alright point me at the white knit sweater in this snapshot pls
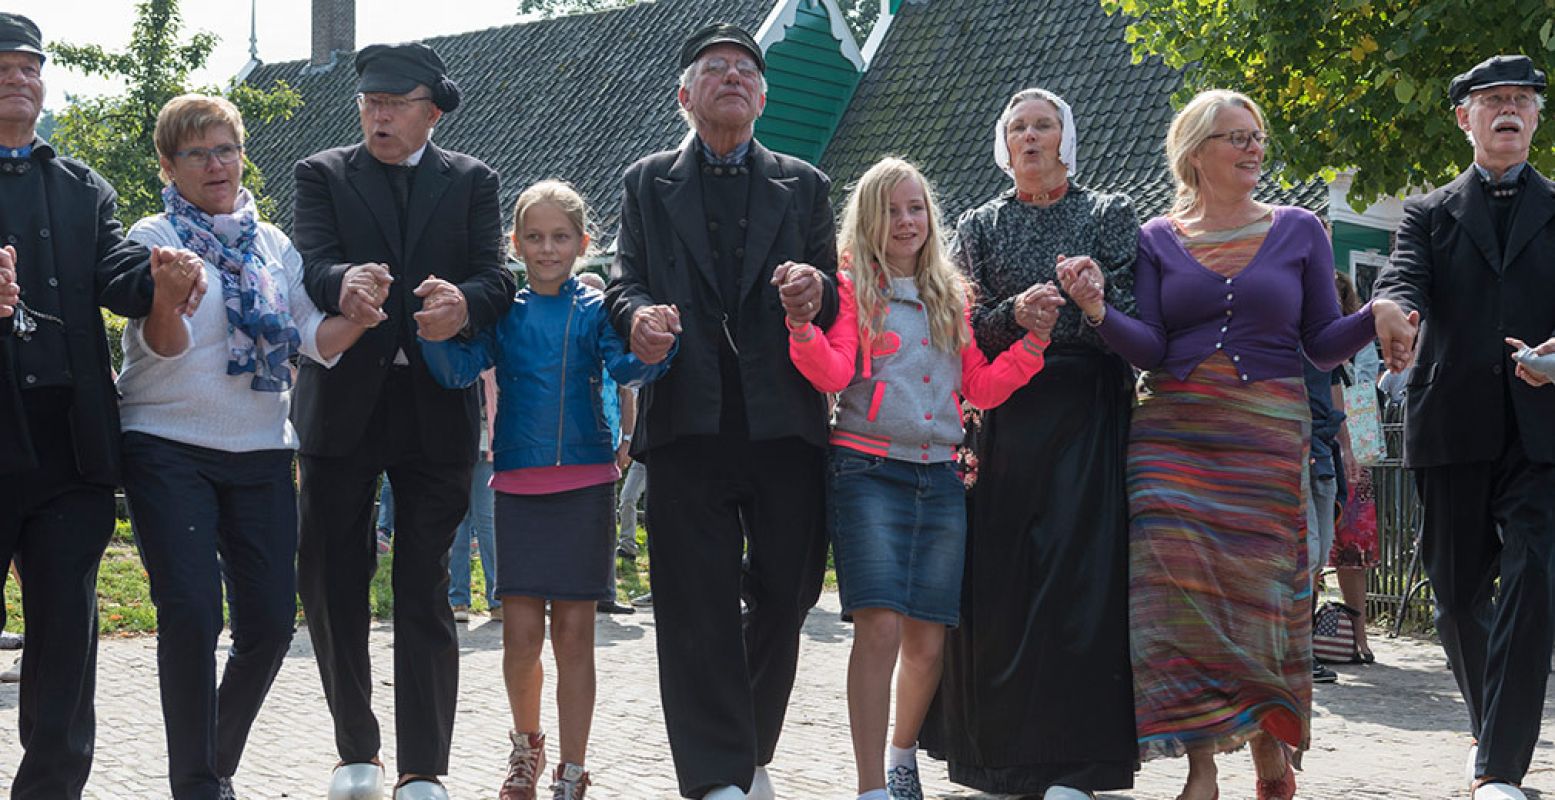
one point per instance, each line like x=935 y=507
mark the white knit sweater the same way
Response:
x=189 y=397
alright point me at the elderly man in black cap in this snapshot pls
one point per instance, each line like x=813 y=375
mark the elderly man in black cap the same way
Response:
x=1474 y=272
x=397 y=233
x=732 y=234
x=64 y=253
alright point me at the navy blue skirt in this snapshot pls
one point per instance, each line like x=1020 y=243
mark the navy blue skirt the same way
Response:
x=556 y=546
x=898 y=533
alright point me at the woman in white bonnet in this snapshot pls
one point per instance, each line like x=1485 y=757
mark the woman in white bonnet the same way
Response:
x=1037 y=696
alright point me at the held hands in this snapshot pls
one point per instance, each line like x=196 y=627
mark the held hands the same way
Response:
x=1396 y=332
x=799 y=287
x=1083 y=281
x=443 y=311
x=178 y=278
x=363 y=292
x=1529 y=376
x=654 y=329
x=10 y=292
x=1036 y=309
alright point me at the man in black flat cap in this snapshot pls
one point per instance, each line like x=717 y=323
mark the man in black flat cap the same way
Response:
x=63 y=254
x=375 y=222
x=1475 y=268
x=733 y=235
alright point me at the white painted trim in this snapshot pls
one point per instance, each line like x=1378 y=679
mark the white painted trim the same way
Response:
x=1385 y=214
x=877 y=33
x=782 y=17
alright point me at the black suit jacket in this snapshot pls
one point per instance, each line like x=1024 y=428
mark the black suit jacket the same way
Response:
x=95 y=265
x=663 y=256
x=345 y=215
x=1472 y=292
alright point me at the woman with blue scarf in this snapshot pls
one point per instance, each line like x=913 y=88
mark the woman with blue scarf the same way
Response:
x=207 y=443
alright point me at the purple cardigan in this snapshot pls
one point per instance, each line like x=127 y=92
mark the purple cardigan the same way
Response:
x=1282 y=303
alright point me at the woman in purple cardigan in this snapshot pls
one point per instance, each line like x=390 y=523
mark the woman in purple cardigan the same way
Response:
x=1231 y=292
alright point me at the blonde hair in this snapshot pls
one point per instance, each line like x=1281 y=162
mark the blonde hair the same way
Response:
x=866 y=227
x=1190 y=129
x=560 y=194
x=189 y=115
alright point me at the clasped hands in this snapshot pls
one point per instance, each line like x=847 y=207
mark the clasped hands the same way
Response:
x=365 y=288
x=177 y=277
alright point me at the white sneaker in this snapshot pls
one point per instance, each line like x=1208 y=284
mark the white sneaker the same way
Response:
x=14 y=673
x=1066 y=793
x=1499 y=791
x=761 y=786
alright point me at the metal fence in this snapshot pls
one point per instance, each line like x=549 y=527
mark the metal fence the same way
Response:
x=1397 y=591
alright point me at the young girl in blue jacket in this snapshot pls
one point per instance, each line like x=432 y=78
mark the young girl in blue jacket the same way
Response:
x=554 y=476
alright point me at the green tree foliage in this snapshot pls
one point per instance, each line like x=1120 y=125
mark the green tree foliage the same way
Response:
x=113 y=134
x=861 y=14
x=1347 y=84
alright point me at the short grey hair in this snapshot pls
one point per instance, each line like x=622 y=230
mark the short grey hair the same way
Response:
x=689 y=74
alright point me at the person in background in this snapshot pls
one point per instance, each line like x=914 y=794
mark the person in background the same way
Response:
x=476 y=529
x=611 y=399
x=1356 y=546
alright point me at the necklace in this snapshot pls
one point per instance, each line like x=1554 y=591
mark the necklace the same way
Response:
x=1046 y=198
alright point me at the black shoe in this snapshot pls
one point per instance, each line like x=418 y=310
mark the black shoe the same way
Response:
x=10 y=641
x=612 y=607
x=643 y=600
x=1322 y=674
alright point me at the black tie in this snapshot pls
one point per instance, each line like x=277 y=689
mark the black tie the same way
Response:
x=399 y=183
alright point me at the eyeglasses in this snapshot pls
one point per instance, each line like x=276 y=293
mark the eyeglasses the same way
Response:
x=200 y=157
x=1241 y=140
x=1522 y=100
x=390 y=103
x=746 y=67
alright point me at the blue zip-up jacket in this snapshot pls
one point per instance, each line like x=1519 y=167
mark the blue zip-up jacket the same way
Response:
x=548 y=351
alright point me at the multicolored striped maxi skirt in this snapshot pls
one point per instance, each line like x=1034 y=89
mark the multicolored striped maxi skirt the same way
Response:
x=1220 y=611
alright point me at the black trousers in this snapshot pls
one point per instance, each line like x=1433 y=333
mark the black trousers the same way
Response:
x=204 y=517
x=336 y=561
x=1484 y=520
x=56 y=528
x=725 y=683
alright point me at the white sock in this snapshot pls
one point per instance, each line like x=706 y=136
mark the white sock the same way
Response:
x=725 y=793
x=901 y=756
x=874 y=794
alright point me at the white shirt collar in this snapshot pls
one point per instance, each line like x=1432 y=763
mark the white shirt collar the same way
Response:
x=415 y=158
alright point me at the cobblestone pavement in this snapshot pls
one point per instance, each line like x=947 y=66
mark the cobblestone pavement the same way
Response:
x=1390 y=730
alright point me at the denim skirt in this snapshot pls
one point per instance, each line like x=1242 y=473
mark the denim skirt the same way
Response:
x=556 y=546
x=898 y=534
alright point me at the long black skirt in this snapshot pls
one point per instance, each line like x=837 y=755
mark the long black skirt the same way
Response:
x=1037 y=688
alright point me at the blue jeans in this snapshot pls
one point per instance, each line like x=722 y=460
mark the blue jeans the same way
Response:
x=479 y=522
x=385 y=505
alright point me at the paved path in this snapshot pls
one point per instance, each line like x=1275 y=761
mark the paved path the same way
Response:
x=1391 y=730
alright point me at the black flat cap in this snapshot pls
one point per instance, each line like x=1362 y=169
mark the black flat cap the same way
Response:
x=1496 y=71
x=18 y=34
x=720 y=33
x=398 y=68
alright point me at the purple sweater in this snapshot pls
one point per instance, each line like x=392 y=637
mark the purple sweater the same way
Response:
x=1281 y=304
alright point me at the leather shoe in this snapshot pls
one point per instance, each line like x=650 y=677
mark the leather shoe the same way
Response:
x=362 y=781
x=420 y=789
x=612 y=607
x=1498 y=791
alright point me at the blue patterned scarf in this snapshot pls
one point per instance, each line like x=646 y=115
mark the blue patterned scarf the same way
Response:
x=260 y=333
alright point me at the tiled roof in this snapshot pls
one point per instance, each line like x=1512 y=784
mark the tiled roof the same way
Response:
x=936 y=86
x=577 y=97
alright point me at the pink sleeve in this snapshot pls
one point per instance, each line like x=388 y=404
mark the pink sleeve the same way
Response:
x=828 y=360
x=986 y=384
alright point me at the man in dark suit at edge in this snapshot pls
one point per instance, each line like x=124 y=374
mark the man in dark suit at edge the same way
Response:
x=1474 y=268
x=399 y=232
x=730 y=234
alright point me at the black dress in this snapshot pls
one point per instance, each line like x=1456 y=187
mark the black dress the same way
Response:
x=1037 y=688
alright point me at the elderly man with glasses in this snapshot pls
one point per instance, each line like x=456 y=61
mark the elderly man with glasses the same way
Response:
x=375 y=222
x=1474 y=273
